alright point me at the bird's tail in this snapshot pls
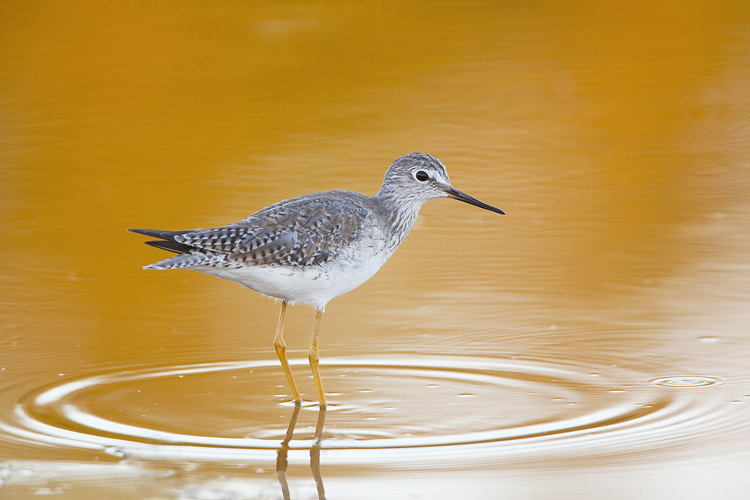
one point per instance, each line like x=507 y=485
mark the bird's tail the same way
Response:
x=188 y=260
x=189 y=256
x=166 y=239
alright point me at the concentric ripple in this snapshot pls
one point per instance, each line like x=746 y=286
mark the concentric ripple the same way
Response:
x=383 y=410
x=686 y=381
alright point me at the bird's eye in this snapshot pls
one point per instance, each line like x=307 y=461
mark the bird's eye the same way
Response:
x=422 y=176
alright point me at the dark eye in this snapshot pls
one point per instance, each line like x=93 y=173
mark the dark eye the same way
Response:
x=422 y=176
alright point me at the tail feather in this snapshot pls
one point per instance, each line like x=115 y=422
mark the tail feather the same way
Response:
x=189 y=256
x=164 y=235
x=187 y=260
x=170 y=246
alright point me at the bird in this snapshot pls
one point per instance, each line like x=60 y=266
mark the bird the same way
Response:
x=313 y=248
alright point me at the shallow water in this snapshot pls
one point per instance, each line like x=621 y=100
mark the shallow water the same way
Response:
x=590 y=343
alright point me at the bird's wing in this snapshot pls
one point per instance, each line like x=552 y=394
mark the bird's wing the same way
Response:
x=303 y=231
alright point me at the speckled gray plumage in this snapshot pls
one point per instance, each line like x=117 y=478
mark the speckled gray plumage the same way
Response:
x=305 y=231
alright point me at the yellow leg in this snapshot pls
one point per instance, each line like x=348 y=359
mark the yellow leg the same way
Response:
x=314 y=358
x=280 y=346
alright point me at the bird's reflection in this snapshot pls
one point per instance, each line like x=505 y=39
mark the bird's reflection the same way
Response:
x=281 y=459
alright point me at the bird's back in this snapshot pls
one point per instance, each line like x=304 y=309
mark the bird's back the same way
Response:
x=306 y=231
x=307 y=249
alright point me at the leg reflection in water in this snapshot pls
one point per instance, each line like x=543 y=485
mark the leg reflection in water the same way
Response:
x=315 y=453
x=281 y=459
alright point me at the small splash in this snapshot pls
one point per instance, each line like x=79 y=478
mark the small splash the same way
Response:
x=709 y=339
x=115 y=451
x=685 y=381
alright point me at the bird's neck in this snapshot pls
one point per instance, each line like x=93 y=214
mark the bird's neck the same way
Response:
x=401 y=212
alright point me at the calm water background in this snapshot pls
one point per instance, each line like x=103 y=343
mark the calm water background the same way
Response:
x=593 y=342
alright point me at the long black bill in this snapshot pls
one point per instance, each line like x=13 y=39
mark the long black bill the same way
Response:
x=461 y=196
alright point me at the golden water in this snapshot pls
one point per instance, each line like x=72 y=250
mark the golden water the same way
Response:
x=591 y=343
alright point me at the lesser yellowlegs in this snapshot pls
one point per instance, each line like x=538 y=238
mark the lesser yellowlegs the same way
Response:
x=310 y=249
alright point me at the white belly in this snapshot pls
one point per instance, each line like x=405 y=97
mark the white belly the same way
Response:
x=314 y=285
